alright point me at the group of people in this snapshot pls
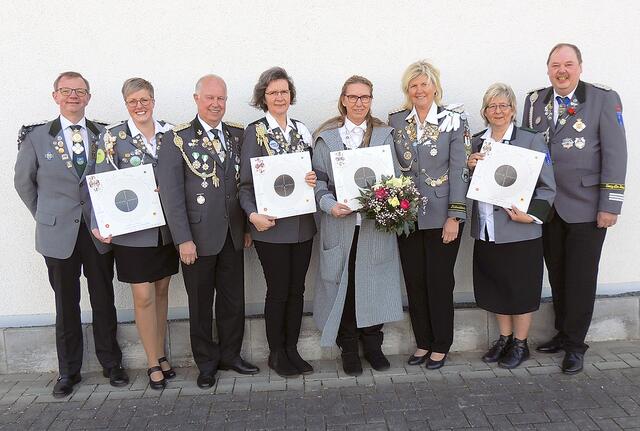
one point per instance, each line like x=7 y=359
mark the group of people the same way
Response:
x=206 y=188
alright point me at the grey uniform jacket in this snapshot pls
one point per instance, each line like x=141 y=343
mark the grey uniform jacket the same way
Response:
x=377 y=268
x=287 y=230
x=589 y=151
x=48 y=184
x=124 y=149
x=195 y=213
x=447 y=199
x=505 y=229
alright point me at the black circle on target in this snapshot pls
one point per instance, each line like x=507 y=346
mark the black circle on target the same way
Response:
x=364 y=177
x=284 y=185
x=505 y=175
x=126 y=200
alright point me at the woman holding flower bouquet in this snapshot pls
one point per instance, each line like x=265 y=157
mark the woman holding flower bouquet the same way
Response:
x=431 y=143
x=507 y=253
x=284 y=245
x=358 y=284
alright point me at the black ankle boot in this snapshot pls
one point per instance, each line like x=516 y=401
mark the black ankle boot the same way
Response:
x=279 y=363
x=296 y=360
x=516 y=353
x=351 y=363
x=498 y=349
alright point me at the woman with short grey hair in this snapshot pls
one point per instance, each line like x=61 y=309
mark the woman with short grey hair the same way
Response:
x=283 y=245
x=507 y=253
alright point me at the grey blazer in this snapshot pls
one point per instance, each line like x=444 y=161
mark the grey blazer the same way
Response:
x=50 y=187
x=377 y=268
x=287 y=230
x=505 y=229
x=193 y=212
x=448 y=198
x=589 y=151
x=126 y=148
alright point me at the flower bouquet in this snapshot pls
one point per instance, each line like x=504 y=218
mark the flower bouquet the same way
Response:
x=393 y=204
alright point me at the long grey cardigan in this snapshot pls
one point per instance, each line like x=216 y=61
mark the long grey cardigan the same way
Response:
x=377 y=268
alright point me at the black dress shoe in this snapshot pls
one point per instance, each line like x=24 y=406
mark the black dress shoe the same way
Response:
x=516 y=353
x=206 y=380
x=552 y=346
x=117 y=376
x=377 y=360
x=64 y=385
x=296 y=360
x=418 y=360
x=573 y=362
x=351 y=364
x=170 y=373
x=156 y=384
x=434 y=365
x=279 y=362
x=497 y=349
x=239 y=365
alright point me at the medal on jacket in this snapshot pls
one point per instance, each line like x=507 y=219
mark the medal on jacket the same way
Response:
x=579 y=126
x=76 y=137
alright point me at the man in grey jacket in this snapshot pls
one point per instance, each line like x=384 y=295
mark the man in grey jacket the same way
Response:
x=53 y=160
x=585 y=133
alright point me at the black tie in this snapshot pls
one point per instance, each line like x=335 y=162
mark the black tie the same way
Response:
x=79 y=156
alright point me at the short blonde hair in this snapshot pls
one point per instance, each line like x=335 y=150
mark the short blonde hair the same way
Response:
x=421 y=67
x=499 y=90
x=132 y=85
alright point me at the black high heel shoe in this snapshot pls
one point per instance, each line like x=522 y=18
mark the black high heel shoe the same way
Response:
x=156 y=384
x=170 y=373
x=434 y=365
x=418 y=360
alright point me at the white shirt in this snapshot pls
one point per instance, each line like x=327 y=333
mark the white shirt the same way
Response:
x=151 y=145
x=301 y=128
x=556 y=105
x=210 y=134
x=352 y=136
x=432 y=117
x=66 y=130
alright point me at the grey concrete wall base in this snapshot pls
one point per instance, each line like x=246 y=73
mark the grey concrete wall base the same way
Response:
x=33 y=349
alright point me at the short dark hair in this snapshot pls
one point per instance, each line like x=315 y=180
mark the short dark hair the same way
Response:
x=568 y=45
x=266 y=77
x=70 y=74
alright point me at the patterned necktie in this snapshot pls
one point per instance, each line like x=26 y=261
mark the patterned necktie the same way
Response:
x=79 y=156
x=563 y=104
x=222 y=153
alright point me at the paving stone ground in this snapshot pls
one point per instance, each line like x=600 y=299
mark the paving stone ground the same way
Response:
x=465 y=394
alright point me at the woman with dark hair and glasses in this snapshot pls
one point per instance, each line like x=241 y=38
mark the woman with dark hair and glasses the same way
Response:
x=283 y=245
x=358 y=283
x=507 y=253
x=146 y=259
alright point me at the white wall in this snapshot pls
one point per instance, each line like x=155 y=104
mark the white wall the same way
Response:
x=320 y=44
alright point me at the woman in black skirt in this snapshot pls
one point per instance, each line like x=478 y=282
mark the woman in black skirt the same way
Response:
x=147 y=259
x=507 y=255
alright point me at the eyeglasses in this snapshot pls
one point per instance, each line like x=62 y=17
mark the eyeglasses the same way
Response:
x=219 y=99
x=494 y=108
x=132 y=103
x=281 y=93
x=66 y=91
x=353 y=99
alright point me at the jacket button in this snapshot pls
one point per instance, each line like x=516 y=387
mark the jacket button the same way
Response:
x=81 y=202
x=77 y=221
x=154 y=164
x=82 y=183
x=496 y=209
x=227 y=196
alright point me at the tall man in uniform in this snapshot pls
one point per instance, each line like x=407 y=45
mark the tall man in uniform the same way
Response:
x=198 y=167
x=584 y=128
x=54 y=159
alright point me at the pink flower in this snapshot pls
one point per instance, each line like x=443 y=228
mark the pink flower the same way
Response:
x=381 y=193
x=404 y=204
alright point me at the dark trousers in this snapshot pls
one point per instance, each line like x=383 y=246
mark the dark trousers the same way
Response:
x=285 y=268
x=221 y=274
x=64 y=277
x=427 y=264
x=348 y=332
x=572 y=254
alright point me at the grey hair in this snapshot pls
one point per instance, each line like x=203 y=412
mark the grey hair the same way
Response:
x=421 y=67
x=132 y=85
x=266 y=77
x=499 y=90
x=206 y=77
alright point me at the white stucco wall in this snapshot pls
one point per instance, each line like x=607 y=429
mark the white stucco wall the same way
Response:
x=475 y=43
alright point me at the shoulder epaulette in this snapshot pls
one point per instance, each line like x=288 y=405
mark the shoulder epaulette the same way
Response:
x=180 y=127
x=536 y=89
x=102 y=123
x=454 y=107
x=24 y=130
x=601 y=86
x=234 y=124
x=526 y=129
x=479 y=133
x=395 y=111
x=111 y=126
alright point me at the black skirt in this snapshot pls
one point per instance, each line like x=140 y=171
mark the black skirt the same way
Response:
x=145 y=264
x=507 y=278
